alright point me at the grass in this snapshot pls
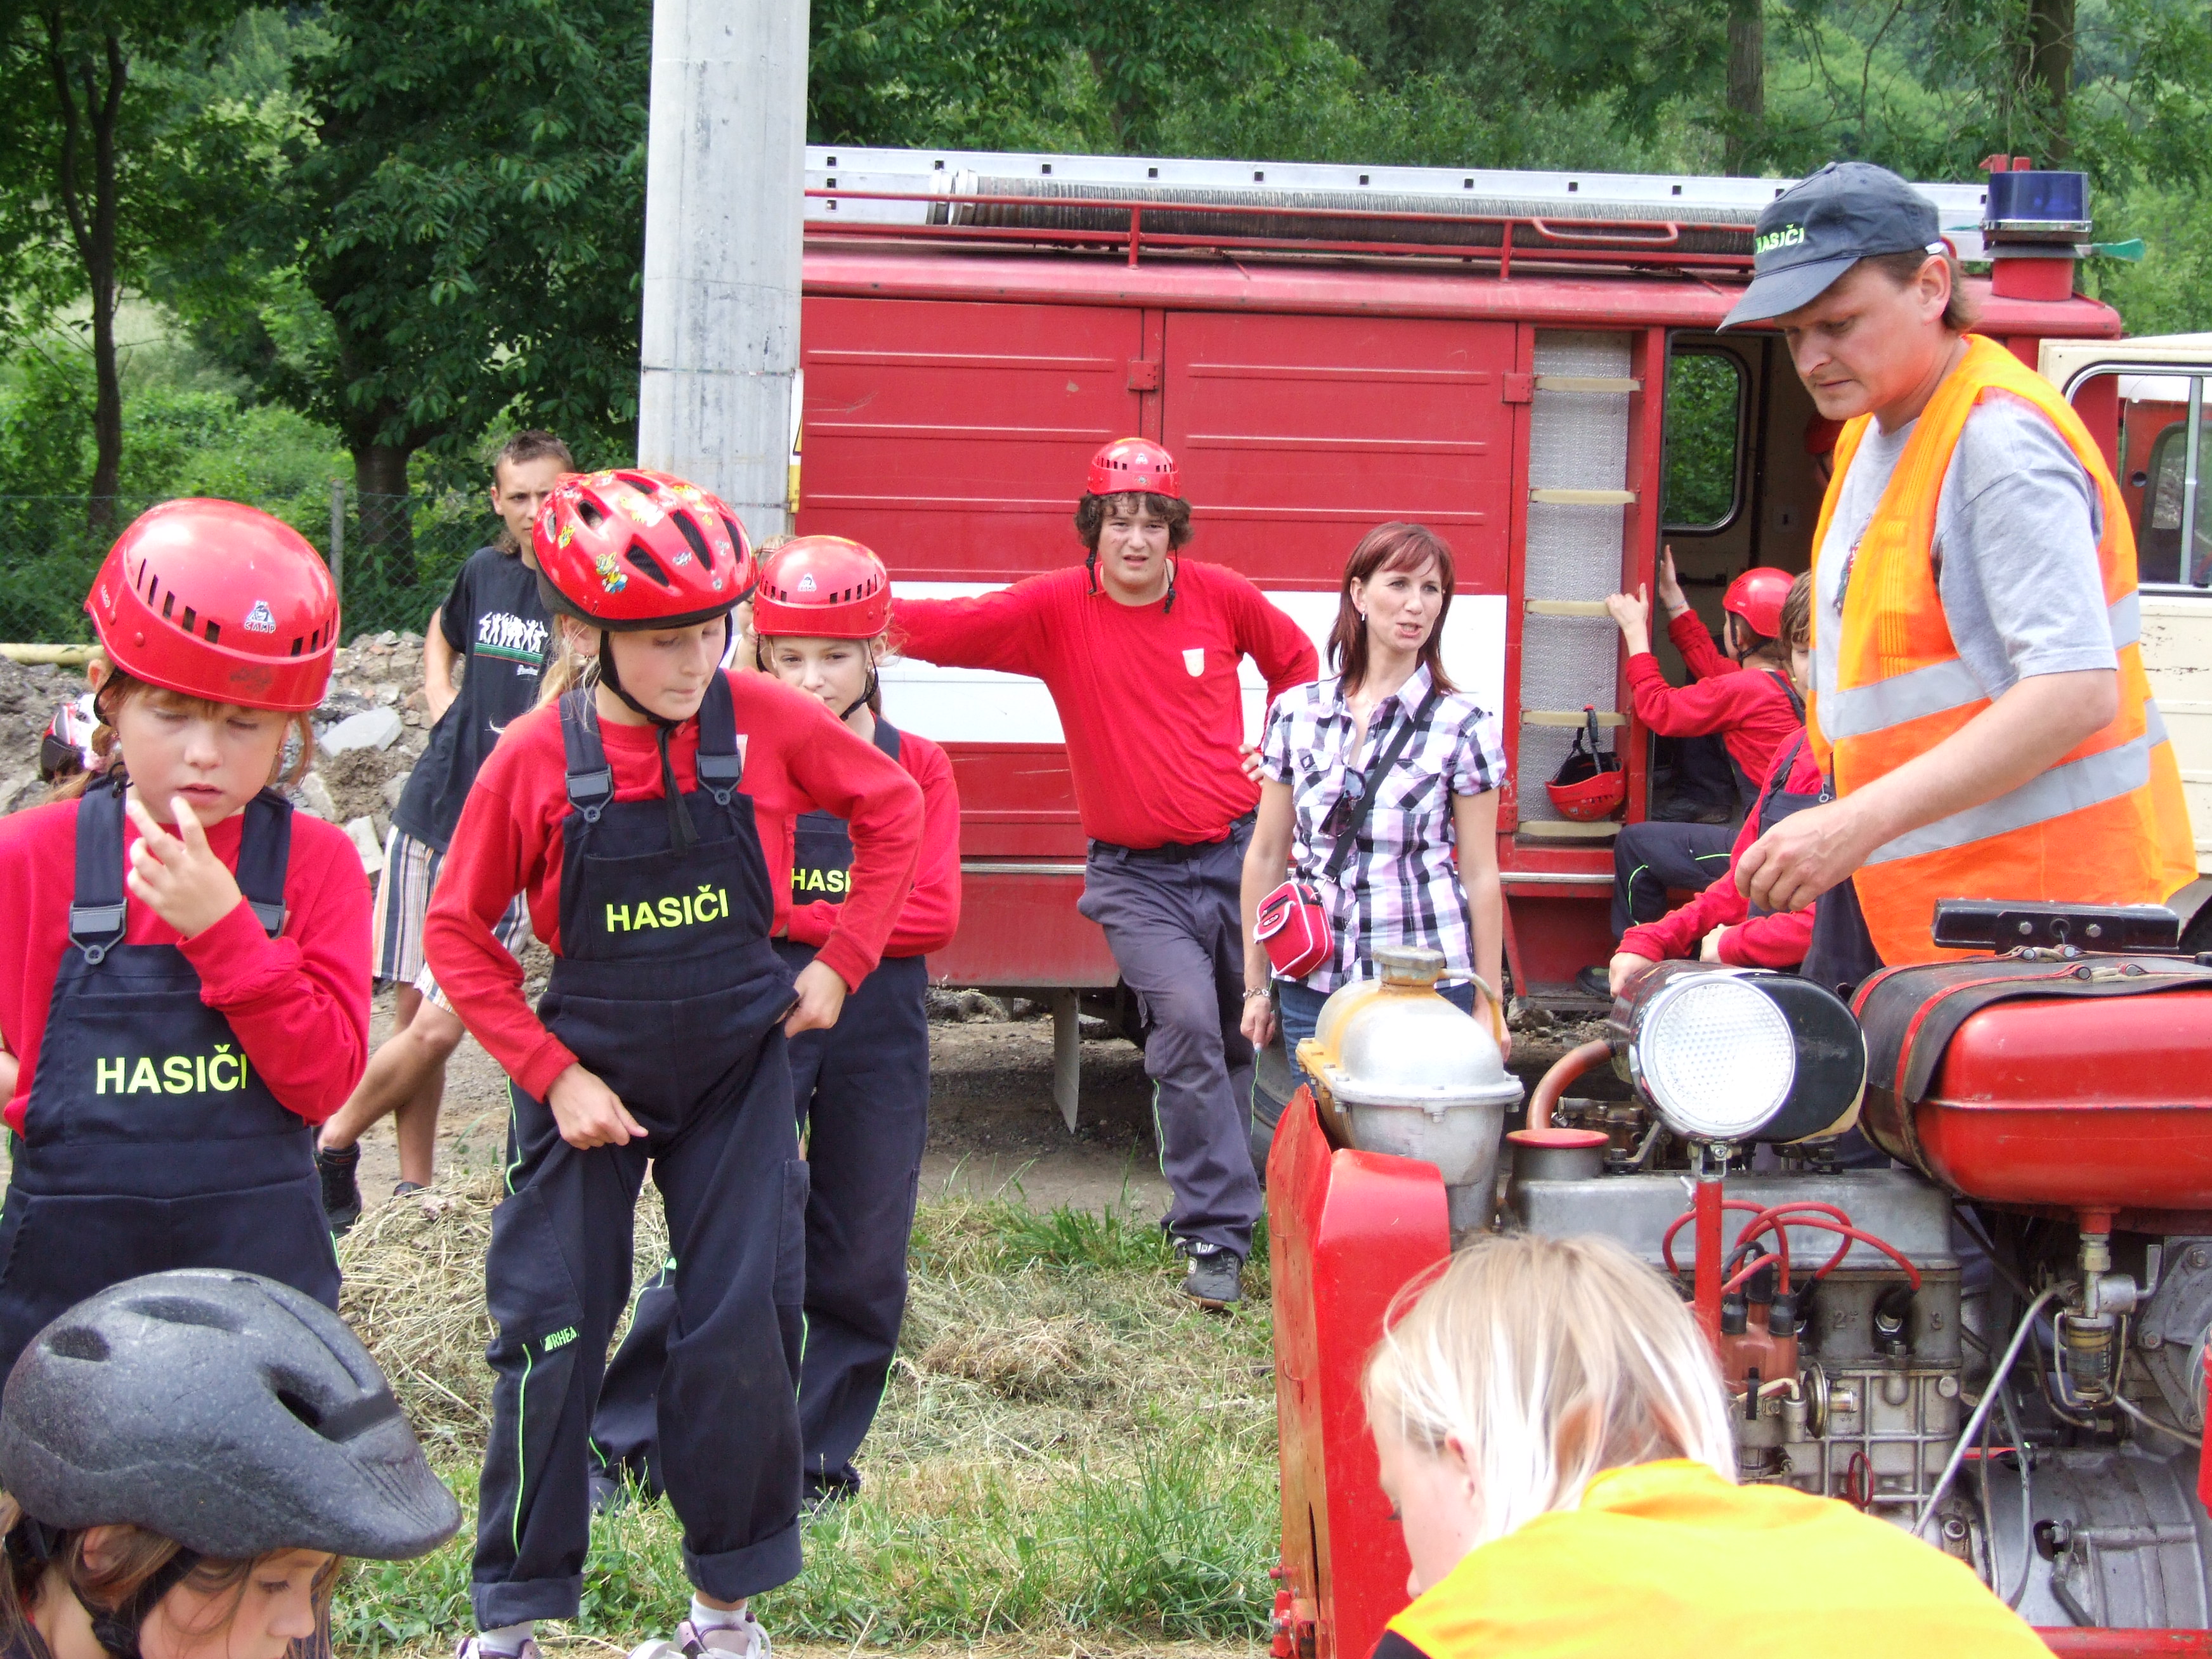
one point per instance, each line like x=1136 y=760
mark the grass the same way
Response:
x=1068 y=1454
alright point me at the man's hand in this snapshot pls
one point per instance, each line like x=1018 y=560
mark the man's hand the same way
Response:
x=589 y=1112
x=1805 y=855
x=821 y=999
x=1709 y=948
x=1633 y=611
x=176 y=876
x=1670 y=589
x=1625 y=966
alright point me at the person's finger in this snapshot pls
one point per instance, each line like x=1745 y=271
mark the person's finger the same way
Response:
x=1642 y=593
x=635 y=1128
x=139 y=888
x=189 y=831
x=151 y=835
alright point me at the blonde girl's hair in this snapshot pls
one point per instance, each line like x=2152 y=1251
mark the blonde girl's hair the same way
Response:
x=1548 y=1361
x=117 y=687
x=1797 y=612
x=565 y=666
x=133 y=1559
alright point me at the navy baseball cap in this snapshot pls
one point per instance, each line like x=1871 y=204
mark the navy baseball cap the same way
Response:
x=1820 y=227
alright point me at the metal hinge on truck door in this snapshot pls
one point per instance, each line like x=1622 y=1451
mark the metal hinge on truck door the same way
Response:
x=1144 y=375
x=1518 y=389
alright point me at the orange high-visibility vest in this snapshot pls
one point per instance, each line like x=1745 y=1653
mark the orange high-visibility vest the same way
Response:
x=2105 y=825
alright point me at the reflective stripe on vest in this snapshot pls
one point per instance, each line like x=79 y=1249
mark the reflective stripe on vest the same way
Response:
x=2106 y=824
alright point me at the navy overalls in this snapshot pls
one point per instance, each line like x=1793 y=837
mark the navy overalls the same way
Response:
x=665 y=988
x=862 y=1090
x=149 y=1141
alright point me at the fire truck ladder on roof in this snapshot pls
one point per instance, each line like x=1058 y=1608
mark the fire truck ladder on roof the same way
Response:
x=1139 y=204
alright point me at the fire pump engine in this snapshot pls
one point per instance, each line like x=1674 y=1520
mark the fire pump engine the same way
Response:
x=1506 y=357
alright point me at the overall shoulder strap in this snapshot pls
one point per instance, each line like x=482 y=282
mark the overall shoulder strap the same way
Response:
x=97 y=913
x=887 y=737
x=265 y=855
x=1789 y=690
x=718 y=764
x=591 y=780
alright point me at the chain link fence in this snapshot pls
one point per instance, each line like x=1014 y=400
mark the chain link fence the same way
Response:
x=393 y=557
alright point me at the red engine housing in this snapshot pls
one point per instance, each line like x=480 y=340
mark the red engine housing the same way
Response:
x=2079 y=1087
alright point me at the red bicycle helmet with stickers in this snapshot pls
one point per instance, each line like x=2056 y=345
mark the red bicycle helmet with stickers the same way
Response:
x=1136 y=465
x=629 y=549
x=822 y=588
x=1757 y=596
x=218 y=601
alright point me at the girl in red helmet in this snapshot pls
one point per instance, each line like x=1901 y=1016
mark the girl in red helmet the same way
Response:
x=822 y=613
x=1743 y=697
x=634 y=814
x=184 y=961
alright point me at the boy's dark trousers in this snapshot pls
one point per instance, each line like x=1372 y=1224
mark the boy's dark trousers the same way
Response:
x=1650 y=857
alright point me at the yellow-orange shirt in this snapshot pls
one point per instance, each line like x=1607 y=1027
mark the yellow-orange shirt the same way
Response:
x=1667 y=1559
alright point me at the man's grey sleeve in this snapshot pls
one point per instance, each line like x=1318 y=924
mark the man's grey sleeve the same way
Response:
x=2016 y=529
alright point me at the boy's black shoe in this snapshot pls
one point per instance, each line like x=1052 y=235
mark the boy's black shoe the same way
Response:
x=341 y=1190
x=1596 y=981
x=1213 y=1278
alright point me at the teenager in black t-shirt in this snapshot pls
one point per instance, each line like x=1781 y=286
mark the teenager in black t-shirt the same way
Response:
x=493 y=623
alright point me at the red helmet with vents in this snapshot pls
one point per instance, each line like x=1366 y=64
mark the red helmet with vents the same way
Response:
x=1135 y=464
x=1758 y=596
x=628 y=549
x=822 y=587
x=218 y=601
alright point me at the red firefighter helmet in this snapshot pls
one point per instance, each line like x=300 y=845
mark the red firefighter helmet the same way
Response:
x=822 y=587
x=1757 y=596
x=1589 y=784
x=1134 y=465
x=628 y=549
x=218 y=601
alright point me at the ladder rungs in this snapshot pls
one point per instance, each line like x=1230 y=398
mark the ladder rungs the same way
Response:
x=1568 y=717
x=1583 y=497
x=1587 y=383
x=1578 y=608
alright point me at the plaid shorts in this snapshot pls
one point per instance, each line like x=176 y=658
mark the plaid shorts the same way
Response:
x=402 y=898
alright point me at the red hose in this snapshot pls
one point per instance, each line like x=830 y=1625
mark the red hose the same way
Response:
x=1823 y=1225
x=1565 y=1070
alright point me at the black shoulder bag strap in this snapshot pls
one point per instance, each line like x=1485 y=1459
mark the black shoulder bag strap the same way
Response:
x=1376 y=772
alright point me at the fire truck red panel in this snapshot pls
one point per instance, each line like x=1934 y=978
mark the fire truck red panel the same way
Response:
x=1297 y=434
x=952 y=436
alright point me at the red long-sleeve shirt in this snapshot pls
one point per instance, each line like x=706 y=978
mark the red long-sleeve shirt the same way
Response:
x=1148 y=696
x=1750 y=710
x=298 y=1002
x=797 y=758
x=1775 y=941
x=930 y=915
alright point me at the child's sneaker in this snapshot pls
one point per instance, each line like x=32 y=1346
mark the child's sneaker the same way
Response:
x=472 y=1647
x=744 y=1640
x=341 y=1188
x=1211 y=1280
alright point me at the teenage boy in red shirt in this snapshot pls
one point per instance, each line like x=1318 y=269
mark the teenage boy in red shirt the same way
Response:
x=1139 y=649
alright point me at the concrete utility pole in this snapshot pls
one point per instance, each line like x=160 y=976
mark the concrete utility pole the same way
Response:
x=725 y=177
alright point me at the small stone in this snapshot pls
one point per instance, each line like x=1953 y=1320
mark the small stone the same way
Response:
x=14 y=789
x=373 y=728
x=315 y=798
x=388 y=695
x=387 y=638
x=45 y=671
x=364 y=833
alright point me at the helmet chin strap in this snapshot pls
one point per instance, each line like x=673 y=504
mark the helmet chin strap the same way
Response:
x=683 y=834
x=867 y=691
x=116 y=1629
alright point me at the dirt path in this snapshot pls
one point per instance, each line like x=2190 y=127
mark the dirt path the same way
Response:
x=993 y=1125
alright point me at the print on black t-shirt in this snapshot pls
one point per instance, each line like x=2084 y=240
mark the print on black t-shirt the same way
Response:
x=493 y=620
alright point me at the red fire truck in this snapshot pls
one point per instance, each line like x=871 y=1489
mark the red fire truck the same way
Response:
x=1520 y=361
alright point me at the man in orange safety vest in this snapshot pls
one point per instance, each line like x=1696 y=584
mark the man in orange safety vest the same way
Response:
x=1978 y=700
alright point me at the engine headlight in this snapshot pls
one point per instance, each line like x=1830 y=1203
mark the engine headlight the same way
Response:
x=1731 y=1054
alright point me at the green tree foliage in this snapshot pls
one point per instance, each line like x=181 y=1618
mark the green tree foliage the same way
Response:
x=105 y=169
x=451 y=234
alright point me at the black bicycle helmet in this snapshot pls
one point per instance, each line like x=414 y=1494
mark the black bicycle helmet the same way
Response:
x=224 y=1411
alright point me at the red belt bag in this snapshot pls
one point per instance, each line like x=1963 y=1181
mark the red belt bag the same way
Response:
x=1293 y=924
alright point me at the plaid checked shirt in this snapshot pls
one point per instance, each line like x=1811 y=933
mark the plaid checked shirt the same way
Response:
x=1401 y=884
